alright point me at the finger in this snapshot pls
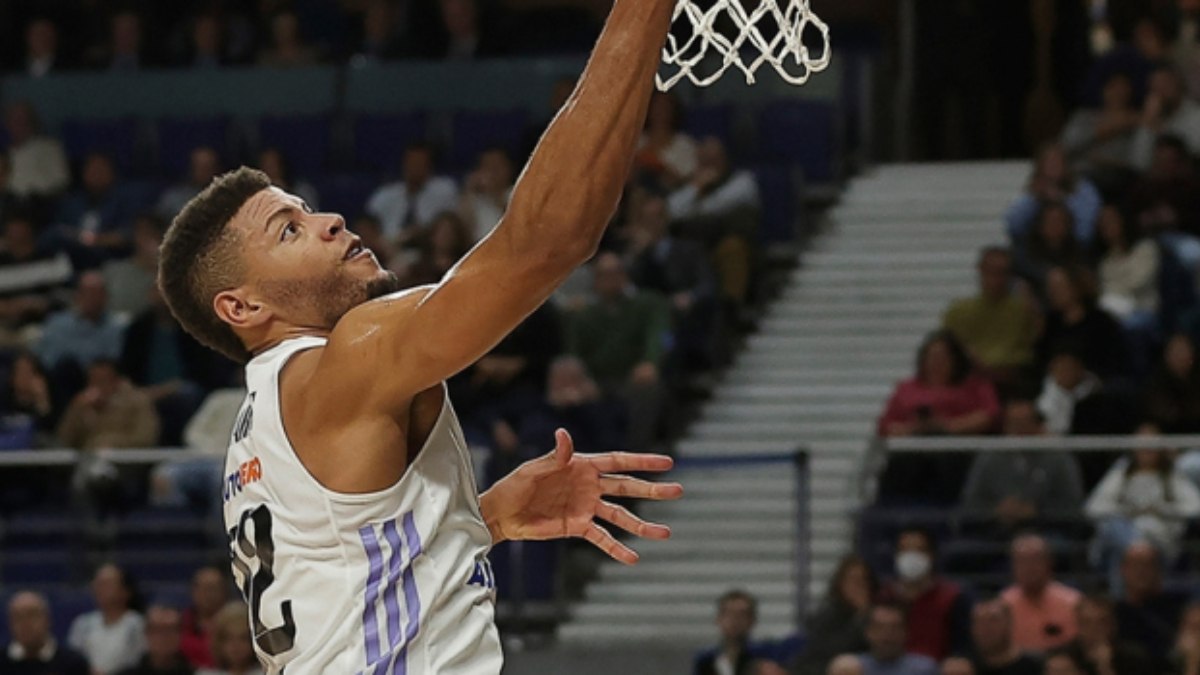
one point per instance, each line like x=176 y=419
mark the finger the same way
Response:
x=636 y=488
x=613 y=462
x=564 y=447
x=603 y=540
x=622 y=518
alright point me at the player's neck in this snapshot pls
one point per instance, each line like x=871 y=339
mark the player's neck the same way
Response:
x=277 y=334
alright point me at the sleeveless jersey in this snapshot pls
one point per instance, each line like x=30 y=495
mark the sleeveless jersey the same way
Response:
x=394 y=581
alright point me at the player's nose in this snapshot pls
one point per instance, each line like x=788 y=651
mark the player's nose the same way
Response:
x=333 y=227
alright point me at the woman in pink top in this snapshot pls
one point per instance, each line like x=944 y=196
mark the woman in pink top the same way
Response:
x=944 y=397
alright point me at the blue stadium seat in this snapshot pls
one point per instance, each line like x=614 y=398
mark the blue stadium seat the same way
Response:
x=345 y=193
x=539 y=565
x=475 y=131
x=777 y=190
x=702 y=121
x=40 y=565
x=159 y=566
x=177 y=137
x=158 y=528
x=379 y=140
x=800 y=133
x=303 y=139
x=34 y=529
x=117 y=138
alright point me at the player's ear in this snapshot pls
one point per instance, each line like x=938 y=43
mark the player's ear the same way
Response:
x=236 y=308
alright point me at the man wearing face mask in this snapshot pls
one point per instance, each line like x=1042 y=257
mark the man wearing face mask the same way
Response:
x=938 y=610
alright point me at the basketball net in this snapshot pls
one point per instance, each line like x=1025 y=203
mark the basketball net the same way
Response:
x=768 y=31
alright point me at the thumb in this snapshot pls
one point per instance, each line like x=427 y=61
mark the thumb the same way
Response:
x=564 y=448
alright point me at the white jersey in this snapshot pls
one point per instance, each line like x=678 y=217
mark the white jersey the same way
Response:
x=394 y=581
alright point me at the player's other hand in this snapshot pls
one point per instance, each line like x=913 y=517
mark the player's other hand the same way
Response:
x=562 y=493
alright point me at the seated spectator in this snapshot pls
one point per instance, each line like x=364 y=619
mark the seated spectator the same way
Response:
x=1166 y=202
x=1146 y=613
x=486 y=192
x=944 y=397
x=957 y=665
x=209 y=592
x=196 y=482
x=124 y=51
x=113 y=636
x=1167 y=111
x=1128 y=271
x=465 y=34
x=838 y=625
x=1099 y=140
x=439 y=247
x=233 y=645
x=1185 y=653
x=131 y=280
x=679 y=270
x=666 y=153
x=162 y=645
x=10 y=203
x=95 y=222
x=203 y=165
x=1068 y=382
x=272 y=162
x=1144 y=497
x=1172 y=397
x=288 y=48
x=998 y=327
x=1020 y=489
x=29 y=405
x=1076 y=319
x=33 y=650
x=886 y=638
x=33 y=280
x=1049 y=244
x=766 y=667
x=1099 y=647
x=1043 y=609
x=206 y=43
x=381 y=34
x=74 y=337
x=41 y=48
x=846 y=664
x=622 y=338
x=405 y=206
x=993 y=650
x=1064 y=662
x=736 y=615
x=39 y=164
x=937 y=611
x=1054 y=182
x=109 y=413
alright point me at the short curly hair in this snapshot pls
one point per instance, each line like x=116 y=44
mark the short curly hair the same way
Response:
x=199 y=258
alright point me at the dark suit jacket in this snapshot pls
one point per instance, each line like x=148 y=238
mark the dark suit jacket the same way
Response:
x=674 y=266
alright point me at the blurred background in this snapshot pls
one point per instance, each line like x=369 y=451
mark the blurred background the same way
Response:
x=919 y=334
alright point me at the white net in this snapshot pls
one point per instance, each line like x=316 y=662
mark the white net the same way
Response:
x=745 y=34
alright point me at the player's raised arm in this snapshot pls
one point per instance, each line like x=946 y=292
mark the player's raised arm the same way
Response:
x=558 y=211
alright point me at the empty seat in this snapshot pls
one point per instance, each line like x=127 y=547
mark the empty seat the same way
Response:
x=800 y=133
x=538 y=562
x=777 y=193
x=36 y=565
x=345 y=193
x=709 y=120
x=303 y=139
x=476 y=131
x=117 y=138
x=379 y=140
x=177 y=137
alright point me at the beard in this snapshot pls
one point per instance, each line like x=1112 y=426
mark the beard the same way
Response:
x=323 y=301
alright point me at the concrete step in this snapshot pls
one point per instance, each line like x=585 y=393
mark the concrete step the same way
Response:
x=660 y=592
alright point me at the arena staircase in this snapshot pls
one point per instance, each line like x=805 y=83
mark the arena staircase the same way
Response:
x=900 y=244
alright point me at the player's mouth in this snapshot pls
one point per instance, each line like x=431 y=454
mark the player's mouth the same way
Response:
x=355 y=251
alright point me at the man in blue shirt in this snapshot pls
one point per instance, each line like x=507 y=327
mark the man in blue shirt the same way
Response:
x=886 y=633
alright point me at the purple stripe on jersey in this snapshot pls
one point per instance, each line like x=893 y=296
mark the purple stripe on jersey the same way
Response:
x=370 y=621
x=391 y=598
x=412 y=601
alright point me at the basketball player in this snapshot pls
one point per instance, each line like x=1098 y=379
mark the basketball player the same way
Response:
x=355 y=530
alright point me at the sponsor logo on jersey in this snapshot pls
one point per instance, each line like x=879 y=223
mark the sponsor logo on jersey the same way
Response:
x=482 y=576
x=249 y=472
x=245 y=420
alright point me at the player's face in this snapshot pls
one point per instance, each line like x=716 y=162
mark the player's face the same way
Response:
x=307 y=267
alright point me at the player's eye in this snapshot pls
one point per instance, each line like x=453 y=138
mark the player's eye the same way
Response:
x=289 y=230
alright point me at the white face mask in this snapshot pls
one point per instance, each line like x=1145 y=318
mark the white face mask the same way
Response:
x=912 y=565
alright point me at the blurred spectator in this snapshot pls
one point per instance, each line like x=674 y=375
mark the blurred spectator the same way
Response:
x=466 y=35
x=1067 y=383
x=1016 y=489
x=1050 y=244
x=41 y=48
x=680 y=271
x=838 y=625
x=32 y=280
x=1099 y=140
x=272 y=162
x=109 y=413
x=33 y=649
x=1167 y=111
x=203 y=165
x=1043 y=609
x=1075 y=318
x=666 y=152
x=486 y=191
x=938 y=612
x=125 y=49
x=993 y=650
x=886 y=639
x=162 y=645
x=1064 y=662
x=207 y=42
x=943 y=397
x=407 y=205
x=84 y=332
x=622 y=338
x=10 y=204
x=1129 y=271
x=196 y=482
x=1054 y=182
x=1146 y=613
x=1166 y=203
x=209 y=594
x=766 y=667
x=846 y=664
x=113 y=636
x=1144 y=497
x=999 y=326
x=131 y=280
x=957 y=665
x=368 y=228
x=1172 y=397
x=381 y=34
x=95 y=221
x=1185 y=653
x=39 y=165
x=737 y=612
x=232 y=643
x=29 y=404
x=439 y=247
x=288 y=48
x=1098 y=646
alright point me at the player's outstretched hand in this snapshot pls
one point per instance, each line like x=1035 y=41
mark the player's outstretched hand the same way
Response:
x=561 y=493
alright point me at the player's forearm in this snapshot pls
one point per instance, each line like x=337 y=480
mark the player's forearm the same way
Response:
x=573 y=182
